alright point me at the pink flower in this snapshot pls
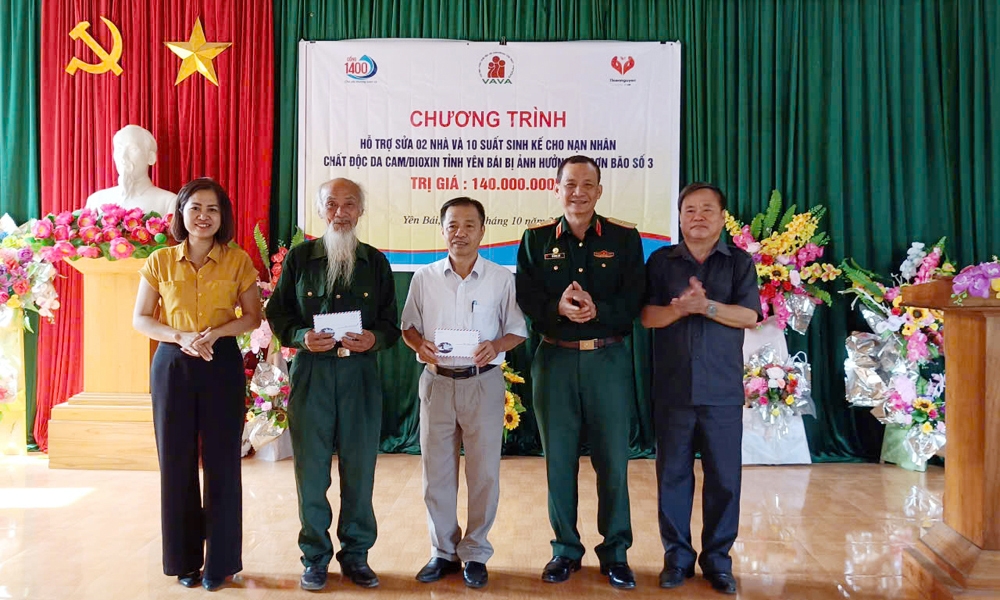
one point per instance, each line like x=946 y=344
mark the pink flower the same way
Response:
x=87 y=218
x=109 y=234
x=762 y=400
x=916 y=348
x=62 y=232
x=744 y=239
x=132 y=223
x=64 y=249
x=111 y=220
x=121 y=248
x=135 y=213
x=142 y=235
x=64 y=218
x=42 y=229
x=757 y=385
x=25 y=254
x=90 y=235
x=928 y=266
x=4 y=296
x=156 y=225
x=932 y=413
x=88 y=252
x=891 y=293
x=113 y=210
x=47 y=253
x=21 y=287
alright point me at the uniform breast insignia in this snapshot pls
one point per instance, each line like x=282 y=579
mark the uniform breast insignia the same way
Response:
x=543 y=224
x=621 y=223
x=555 y=255
x=604 y=254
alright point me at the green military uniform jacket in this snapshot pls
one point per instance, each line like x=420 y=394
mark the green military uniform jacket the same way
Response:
x=302 y=292
x=607 y=263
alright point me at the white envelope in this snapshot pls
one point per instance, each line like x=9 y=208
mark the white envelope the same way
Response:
x=339 y=323
x=459 y=343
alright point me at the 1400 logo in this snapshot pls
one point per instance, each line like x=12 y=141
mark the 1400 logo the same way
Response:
x=360 y=68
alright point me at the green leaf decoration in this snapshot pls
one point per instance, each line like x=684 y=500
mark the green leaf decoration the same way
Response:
x=771 y=215
x=818 y=212
x=819 y=293
x=786 y=218
x=258 y=237
x=756 y=225
x=297 y=238
x=859 y=276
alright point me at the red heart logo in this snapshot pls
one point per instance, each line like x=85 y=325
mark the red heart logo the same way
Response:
x=622 y=64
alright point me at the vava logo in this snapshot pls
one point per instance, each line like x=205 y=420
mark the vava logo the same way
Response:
x=496 y=68
x=360 y=68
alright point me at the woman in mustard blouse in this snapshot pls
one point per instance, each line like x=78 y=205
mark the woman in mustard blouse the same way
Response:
x=197 y=382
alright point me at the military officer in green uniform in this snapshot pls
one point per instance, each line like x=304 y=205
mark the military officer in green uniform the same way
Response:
x=580 y=279
x=335 y=386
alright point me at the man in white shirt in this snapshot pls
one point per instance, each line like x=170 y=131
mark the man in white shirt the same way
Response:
x=461 y=399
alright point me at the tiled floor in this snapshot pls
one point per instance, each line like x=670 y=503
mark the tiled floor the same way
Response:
x=823 y=531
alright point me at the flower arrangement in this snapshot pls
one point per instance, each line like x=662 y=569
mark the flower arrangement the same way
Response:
x=786 y=253
x=920 y=330
x=273 y=262
x=112 y=232
x=918 y=407
x=269 y=390
x=25 y=278
x=979 y=280
x=777 y=391
x=512 y=401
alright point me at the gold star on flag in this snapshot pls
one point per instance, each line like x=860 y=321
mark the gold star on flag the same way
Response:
x=197 y=54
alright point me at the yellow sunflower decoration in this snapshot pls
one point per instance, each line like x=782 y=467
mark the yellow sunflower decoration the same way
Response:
x=512 y=401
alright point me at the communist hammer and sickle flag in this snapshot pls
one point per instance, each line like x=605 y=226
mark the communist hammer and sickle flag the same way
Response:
x=109 y=61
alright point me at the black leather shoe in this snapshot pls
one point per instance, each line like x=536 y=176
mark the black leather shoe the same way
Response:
x=722 y=582
x=189 y=580
x=559 y=569
x=671 y=577
x=475 y=574
x=313 y=578
x=360 y=574
x=212 y=584
x=619 y=575
x=436 y=568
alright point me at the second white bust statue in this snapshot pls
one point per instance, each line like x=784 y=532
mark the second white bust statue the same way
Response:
x=134 y=153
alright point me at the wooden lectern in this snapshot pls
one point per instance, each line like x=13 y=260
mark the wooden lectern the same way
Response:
x=960 y=558
x=109 y=425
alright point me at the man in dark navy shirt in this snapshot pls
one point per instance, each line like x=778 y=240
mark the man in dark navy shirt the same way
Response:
x=702 y=294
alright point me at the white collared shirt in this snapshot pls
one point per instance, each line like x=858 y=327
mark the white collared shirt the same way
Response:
x=485 y=301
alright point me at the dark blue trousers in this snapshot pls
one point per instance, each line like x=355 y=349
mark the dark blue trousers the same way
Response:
x=716 y=432
x=199 y=403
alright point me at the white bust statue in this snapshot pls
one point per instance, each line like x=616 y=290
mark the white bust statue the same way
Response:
x=134 y=153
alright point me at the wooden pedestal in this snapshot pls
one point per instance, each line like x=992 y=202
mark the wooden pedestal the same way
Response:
x=109 y=425
x=960 y=558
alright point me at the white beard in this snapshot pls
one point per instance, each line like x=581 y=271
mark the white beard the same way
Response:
x=340 y=247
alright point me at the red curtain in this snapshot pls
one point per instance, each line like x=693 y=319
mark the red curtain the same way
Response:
x=224 y=132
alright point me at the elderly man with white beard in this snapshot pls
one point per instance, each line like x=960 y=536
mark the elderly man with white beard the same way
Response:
x=336 y=393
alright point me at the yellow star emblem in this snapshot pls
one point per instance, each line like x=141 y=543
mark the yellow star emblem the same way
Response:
x=197 y=54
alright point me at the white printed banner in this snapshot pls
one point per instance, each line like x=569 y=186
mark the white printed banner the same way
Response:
x=417 y=122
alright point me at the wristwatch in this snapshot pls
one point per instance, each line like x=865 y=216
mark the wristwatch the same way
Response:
x=712 y=310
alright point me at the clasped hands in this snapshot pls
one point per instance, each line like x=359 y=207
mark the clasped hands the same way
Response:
x=197 y=344
x=692 y=300
x=577 y=305
x=355 y=342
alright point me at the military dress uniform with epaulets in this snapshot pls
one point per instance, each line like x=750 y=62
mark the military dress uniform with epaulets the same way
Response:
x=582 y=373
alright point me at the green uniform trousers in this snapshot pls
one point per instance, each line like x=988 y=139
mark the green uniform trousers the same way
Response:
x=589 y=391
x=335 y=400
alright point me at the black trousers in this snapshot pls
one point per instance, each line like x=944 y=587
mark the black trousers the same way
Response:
x=200 y=403
x=716 y=432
